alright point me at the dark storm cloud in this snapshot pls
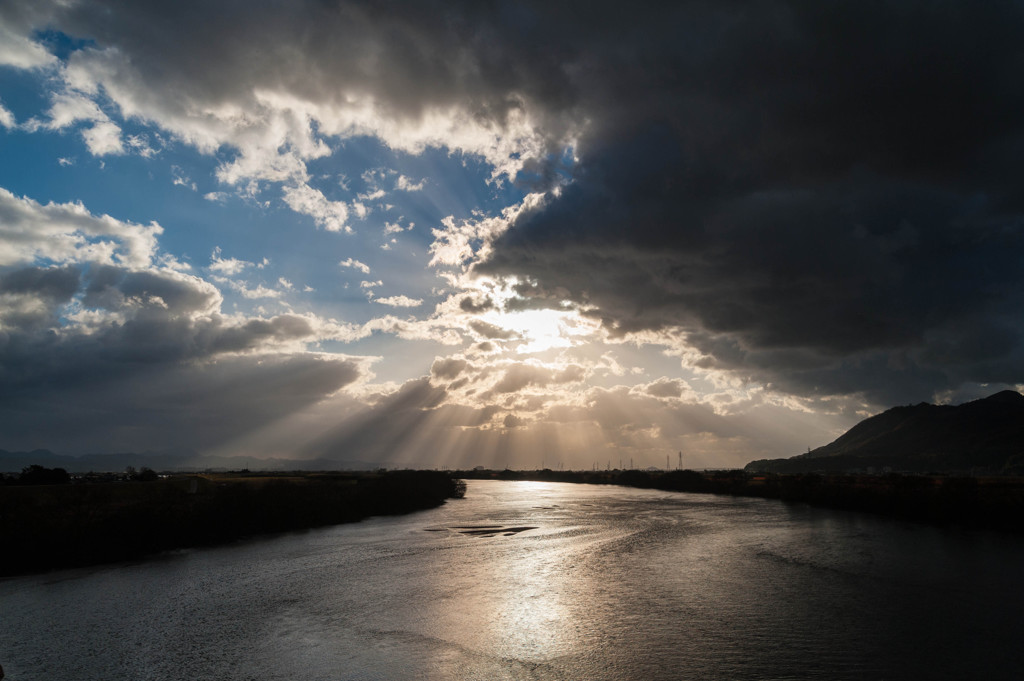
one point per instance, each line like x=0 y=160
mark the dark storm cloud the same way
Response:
x=158 y=369
x=115 y=288
x=255 y=332
x=467 y=304
x=52 y=284
x=170 y=406
x=407 y=57
x=512 y=421
x=29 y=296
x=491 y=331
x=34 y=359
x=448 y=368
x=666 y=387
x=823 y=196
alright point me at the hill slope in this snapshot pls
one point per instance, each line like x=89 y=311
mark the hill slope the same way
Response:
x=984 y=436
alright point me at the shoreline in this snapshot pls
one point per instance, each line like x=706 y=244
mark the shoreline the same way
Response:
x=50 y=527
x=991 y=503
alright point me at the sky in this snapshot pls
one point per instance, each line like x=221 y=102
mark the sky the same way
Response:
x=512 y=234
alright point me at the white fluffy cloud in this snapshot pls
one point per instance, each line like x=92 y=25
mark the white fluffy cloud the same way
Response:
x=331 y=215
x=68 y=232
x=227 y=266
x=356 y=265
x=103 y=138
x=17 y=49
x=407 y=185
x=399 y=301
x=6 y=117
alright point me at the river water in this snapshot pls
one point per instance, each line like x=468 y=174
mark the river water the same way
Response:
x=525 y=580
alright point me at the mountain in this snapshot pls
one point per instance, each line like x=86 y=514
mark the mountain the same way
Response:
x=984 y=436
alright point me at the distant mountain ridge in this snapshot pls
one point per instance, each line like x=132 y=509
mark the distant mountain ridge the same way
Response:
x=984 y=436
x=13 y=462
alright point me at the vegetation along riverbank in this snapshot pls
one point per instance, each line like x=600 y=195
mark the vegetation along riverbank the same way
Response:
x=48 y=522
x=52 y=525
x=983 y=502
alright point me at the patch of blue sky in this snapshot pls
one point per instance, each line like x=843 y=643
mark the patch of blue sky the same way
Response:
x=56 y=166
x=59 y=44
x=458 y=184
x=23 y=92
x=31 y=165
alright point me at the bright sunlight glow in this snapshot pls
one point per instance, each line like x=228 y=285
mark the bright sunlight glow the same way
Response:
x=543 y=329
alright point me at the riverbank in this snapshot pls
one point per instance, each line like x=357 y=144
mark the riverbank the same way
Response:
x=46 y=527
x=991 y=503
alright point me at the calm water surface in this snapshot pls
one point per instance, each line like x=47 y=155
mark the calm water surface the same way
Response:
x=605 y=583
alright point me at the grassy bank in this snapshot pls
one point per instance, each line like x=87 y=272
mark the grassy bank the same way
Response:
x=44 y=527
x=993 y=503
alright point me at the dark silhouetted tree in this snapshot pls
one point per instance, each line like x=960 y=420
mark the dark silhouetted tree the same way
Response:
x=39 y=475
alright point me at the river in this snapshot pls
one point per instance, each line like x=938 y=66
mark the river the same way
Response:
x=525 y=580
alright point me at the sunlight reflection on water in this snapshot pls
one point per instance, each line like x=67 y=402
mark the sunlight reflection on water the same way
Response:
x=542 y=581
